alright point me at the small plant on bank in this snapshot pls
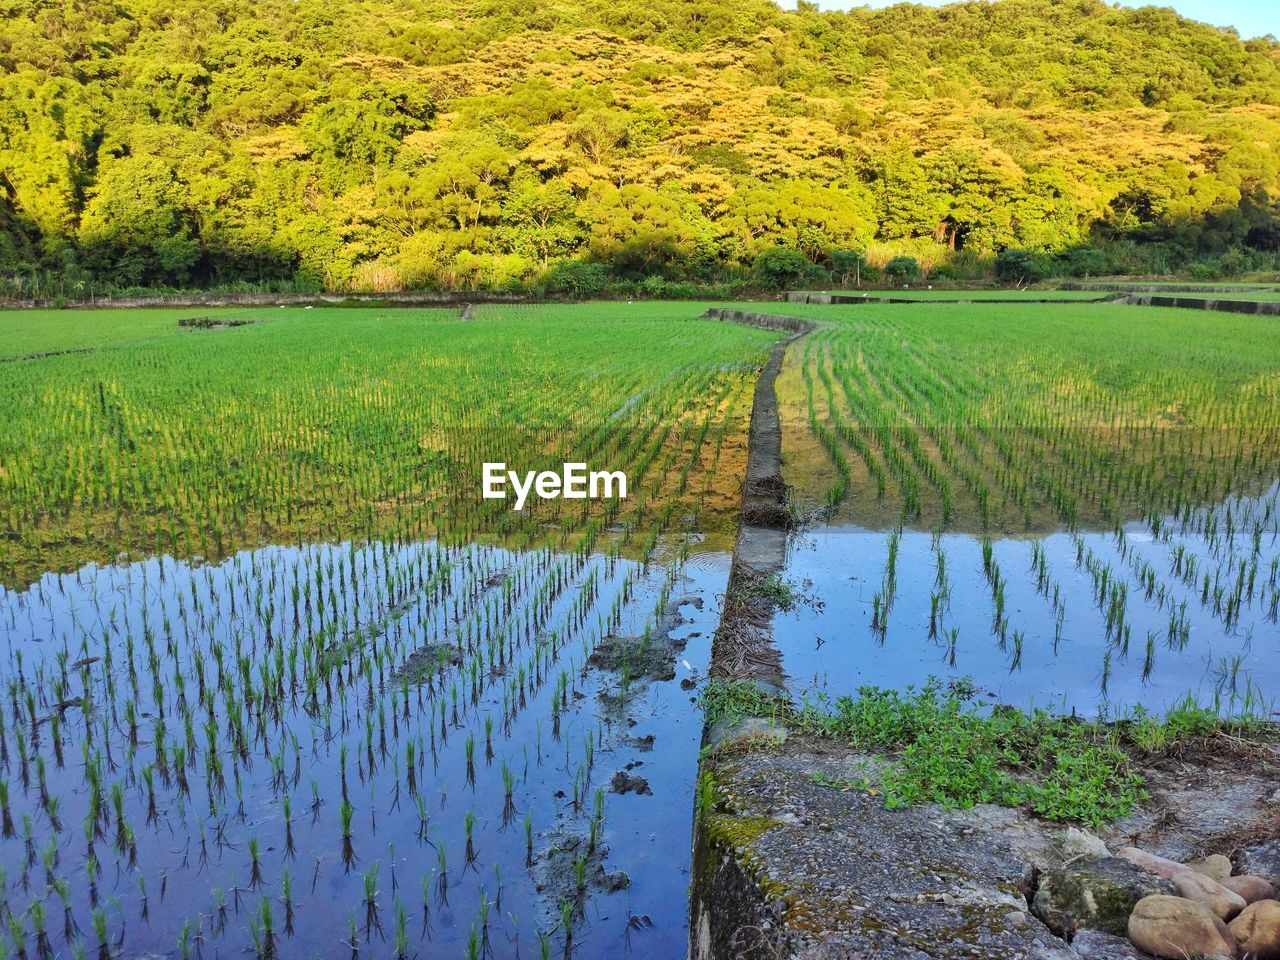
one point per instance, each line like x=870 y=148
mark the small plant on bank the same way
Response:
x=950 y=750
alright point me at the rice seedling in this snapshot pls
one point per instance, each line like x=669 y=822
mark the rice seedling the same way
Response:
x=1017 y=433
x=360 y=660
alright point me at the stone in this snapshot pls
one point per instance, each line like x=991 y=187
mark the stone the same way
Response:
x=1094 y=894
x=1096 y=945
x=1082 y=843
x=1262 y=860
x=1149 y=861
x=1250 y=888
x=1208 y=893
x=1174 y=929
x=1215 y=867
x=1258 y=930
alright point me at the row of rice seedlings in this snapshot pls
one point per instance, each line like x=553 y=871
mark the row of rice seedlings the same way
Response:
x=279 y=656
x=919 y=419
x=319 y=448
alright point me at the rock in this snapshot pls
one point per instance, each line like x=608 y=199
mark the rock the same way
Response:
x=1096 y=945
x=1149 y=861
x=1258 y=930
x=1208 y=893
x=1174 y=928
x=1215 y=867
x=1094 y=894
x=623 y=782
x=1262 y=860
x=1082 y=843
x=1250 y=888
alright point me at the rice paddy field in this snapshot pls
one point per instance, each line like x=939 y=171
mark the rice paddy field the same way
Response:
x=279 y=683
x=928 y=293
x=1076 y=505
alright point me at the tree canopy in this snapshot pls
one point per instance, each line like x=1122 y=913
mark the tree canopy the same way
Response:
x=421 y=143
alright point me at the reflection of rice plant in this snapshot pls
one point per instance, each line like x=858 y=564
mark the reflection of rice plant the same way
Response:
x=442 y=876
x=345 y=813
x=468 y=825
x=508 y=789
x=255 y=864
x=371 y=920
x=597 y=821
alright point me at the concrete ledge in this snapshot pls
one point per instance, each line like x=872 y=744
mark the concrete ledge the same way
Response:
x=1266 y=308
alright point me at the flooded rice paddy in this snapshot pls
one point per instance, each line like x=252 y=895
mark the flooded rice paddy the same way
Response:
x=435 y=726
x=354 y=750
x=327 y=701
x=1075 y=506
x=1082 y=622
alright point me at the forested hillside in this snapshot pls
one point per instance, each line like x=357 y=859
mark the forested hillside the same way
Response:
x=423 y=143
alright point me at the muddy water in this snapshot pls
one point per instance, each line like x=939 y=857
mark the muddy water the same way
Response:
x=178 y=741
x=1180 y=638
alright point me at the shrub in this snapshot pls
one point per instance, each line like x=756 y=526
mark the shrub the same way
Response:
x=1086 y=262
x=902 y=270
x=1022 y=266
x=578 y=278
x=659 y=288
x=781 y=267
x=848 y=265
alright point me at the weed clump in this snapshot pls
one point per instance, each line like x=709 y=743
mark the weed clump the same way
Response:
x=947 y=748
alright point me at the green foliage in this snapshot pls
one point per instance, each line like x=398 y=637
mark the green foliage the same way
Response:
x=734 y=700
x=777 y=592
x=382 y=146
x=1022 y=266
x=136 y=226
x=902 y=270
x=578 y=279
x=1086 y=262
x=848 y=266
x=949 y=751
x=781 y=267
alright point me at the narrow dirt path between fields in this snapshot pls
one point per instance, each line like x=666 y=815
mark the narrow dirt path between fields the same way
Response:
x=743 y=647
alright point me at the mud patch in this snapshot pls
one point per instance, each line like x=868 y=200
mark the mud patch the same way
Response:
x=624 y=782
x=215 y=323
x=427 y=660
x=570 y=867
x=636 y=658
x=651 y=657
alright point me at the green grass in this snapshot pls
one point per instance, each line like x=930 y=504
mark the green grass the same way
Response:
x=1017 y=417
x=327 y=422
x=24 y=332
x=916 y=292
x=945 y=748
